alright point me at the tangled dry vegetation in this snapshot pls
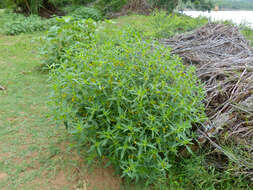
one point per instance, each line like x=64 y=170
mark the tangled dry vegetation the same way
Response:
x=224 y=61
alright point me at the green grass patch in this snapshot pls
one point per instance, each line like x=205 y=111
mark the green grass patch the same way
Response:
x=30 y=151
x=248 y=33
x=159 y=24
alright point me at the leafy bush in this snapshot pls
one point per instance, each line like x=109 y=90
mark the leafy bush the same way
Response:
x=61 y=3
x=108 y=6
x=165 y=26
x=87 y=12
x=27 y=6
x=169 y=5
x=128 y=100
x=18 y=24
x=63 y=36
x=69 y=9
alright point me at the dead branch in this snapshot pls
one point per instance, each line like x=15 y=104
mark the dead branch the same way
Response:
x=224 y=62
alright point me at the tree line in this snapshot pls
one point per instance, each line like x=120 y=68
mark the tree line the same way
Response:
x=235 y=4
x=36 y=6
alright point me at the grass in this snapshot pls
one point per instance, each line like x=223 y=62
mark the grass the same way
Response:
x=35 y=153
x=33 y=149
x=248 y=33
x=160 y=25
x=28 y=137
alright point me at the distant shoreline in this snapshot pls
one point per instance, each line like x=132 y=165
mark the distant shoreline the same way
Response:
x=238 y=17
x=218 y=10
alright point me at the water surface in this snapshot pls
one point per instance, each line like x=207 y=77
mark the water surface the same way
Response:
x=237 y=17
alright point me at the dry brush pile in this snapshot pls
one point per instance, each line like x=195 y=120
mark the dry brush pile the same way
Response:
x=224 y=62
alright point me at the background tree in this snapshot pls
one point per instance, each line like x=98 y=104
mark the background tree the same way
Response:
x=35 y=6
x=170 y=5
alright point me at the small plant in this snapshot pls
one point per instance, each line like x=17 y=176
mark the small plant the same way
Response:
x=247 y=32
x=86 y=13
x=63 y=37
x=129 y=101
x=20 y=24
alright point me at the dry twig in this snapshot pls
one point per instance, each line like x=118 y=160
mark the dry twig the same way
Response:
x=2 y=88
x=224 y=62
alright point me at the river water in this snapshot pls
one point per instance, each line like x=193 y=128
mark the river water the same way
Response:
x=237 y=17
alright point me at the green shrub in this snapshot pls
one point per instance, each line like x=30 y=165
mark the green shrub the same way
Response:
x=87 y=12
x=109 y=6
x=61 y=3
x=165 y=4
x=63 y=36
x=165 y=26
x=27 y=6
x=18 y=24
x=130 y=101
x=69 y=9
x=5 y=17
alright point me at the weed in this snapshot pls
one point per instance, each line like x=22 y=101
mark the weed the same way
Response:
x=86 y=13
x=34 y=151
x=16 y=24
x=62 y=37
x=132 y=103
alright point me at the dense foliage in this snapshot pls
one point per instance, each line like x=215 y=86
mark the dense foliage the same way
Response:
x=87 y=12
x=62 y=37
x=34 y=6
x=106 y=6
x=17 y=23
x=29 y=6
x=64 y=34
x=20 y=24
x=66 y=45
x=129 y=100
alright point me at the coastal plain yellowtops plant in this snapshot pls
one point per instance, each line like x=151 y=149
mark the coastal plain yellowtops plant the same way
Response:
x=128 y=100
x=66 y=34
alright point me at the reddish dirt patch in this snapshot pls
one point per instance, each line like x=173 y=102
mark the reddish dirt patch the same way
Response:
x=3 y=175
x=102 y=178
x=97 y=178
x=3 y=156
x=11 y=119
x=61 y=180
